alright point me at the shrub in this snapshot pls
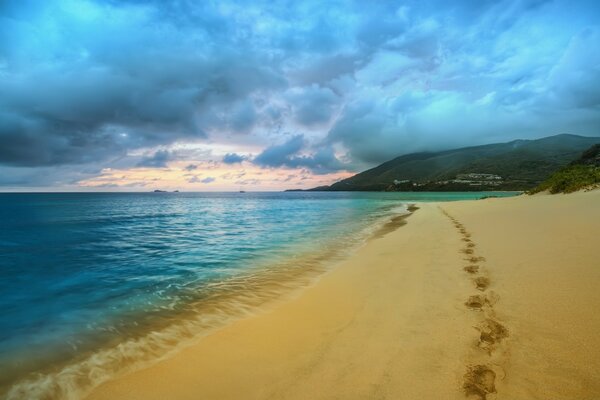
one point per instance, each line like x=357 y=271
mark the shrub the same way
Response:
x=571 y=179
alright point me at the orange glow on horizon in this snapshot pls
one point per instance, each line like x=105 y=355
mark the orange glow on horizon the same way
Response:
x=210 y=176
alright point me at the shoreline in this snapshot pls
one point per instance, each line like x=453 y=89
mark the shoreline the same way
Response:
x=380 y=329
x=398 y=320
x=480 y=300
x=256 y=291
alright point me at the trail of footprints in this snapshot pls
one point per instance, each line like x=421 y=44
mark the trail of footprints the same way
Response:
x=479 y=379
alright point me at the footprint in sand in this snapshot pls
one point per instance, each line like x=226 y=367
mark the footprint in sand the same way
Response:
x=492 y=332
x=479 y=382
x=476 y=302
x=471 y=269
x=475 y=259
x=481 y=282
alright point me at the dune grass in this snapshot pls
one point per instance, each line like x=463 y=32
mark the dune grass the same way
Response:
x=571 y=179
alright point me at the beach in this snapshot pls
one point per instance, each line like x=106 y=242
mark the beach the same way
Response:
x=403 y=319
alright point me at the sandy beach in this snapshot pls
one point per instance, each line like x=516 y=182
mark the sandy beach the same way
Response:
x=493 y=298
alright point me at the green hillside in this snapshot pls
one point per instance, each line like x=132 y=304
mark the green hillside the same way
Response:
x=522 y=164
x=580 y=174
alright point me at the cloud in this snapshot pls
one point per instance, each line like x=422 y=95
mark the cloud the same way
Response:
x=243 y=117
x=286 y=155
x=323 y=161
x=45 y=177
x=248 y=182
x=386 y=67
x=92 y=84
x=313 y=105
x=158 y=160
x=198 y=179
x=325 y=69
x=191 y=167
x=375 y=130
x=280 y=155
x=109 y=91
x=576 y=77
x=232 y=158
x=232 y=175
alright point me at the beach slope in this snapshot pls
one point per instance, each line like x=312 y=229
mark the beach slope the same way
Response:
x=491 y=299
x=542 y=259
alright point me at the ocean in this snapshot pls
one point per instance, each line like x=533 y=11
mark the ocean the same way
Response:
x=93 y=284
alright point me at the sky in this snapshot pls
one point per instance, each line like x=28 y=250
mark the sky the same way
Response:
x=137 y=95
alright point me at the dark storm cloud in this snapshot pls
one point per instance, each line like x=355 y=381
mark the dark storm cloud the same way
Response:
x=313 y=105
x=84 y=83
x=120 y=78
x=476 y=80
x=280 y=154
x=286 y=155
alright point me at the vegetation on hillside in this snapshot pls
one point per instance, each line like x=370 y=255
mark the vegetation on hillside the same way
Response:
x=522 y=164
x=582 y=173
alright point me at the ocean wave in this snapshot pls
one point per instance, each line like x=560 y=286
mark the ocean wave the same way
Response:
x=220 y=303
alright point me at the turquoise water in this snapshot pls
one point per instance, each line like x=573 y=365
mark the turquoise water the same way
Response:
x=90 y=282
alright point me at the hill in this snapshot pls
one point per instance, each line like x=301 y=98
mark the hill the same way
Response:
x=580 y=174
x=516 y=165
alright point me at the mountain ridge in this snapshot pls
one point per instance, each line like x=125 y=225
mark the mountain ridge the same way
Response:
x=521 y=164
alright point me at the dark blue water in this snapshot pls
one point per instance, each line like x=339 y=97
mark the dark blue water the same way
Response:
x=83 y=272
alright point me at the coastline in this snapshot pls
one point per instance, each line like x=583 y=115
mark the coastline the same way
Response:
x=259 y=288
x=371 y=327
x=396 y=320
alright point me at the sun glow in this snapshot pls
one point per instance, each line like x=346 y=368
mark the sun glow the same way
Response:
x=210 y=176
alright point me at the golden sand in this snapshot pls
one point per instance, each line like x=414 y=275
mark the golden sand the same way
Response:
x=495 y=298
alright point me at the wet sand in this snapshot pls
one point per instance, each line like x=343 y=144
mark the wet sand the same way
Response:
x=494 y=298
